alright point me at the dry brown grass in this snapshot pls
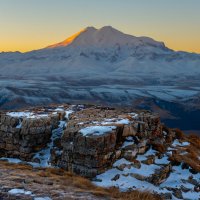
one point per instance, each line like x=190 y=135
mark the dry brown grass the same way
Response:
x=86 y=185
x=190 y=158
x=192 y=152
x=189 y=154
x=132 y=195
x=187 y=159
x=53 y=181
x=194 y=140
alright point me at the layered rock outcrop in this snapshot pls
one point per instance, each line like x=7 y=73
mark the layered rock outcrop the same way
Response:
x=93 y=138
x=23 y=133
x=90 y=143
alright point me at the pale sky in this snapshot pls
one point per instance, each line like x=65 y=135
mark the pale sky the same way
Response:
x=32 y=24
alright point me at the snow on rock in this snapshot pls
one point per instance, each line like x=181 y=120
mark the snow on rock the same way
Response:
x=11 y=160
x=19 y=191
x=20 y=124
x=59 y=109
x=68 y=112
x=26 y=114
x=96 y=130
x=121 y=161
x=133 y=115
x=115 y=121
x=177 y=143
x=32 y=115
x=42 y=198
x=127 y=143
x=20 y=114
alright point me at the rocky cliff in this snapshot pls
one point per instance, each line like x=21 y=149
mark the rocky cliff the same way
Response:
x=23 y=133
x=113 y=147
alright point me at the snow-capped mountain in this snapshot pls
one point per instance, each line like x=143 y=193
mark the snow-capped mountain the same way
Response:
x=103 y=52
x=105 y=37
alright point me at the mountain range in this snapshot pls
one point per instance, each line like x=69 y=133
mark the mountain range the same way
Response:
x=104 y=66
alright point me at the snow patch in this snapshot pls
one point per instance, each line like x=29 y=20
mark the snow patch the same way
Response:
x=177 y=143
x=121 y=161
x=96 y=130
x=42 y=198
x=26 y=114
x=19 y=191
x=115 y=121
x=11 y=160
x=67 y=113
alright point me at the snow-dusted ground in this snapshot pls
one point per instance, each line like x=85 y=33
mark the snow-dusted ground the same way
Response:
x=16 y=192
x=126 y=180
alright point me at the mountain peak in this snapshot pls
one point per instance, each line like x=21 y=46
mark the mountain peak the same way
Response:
x=106 y=36
x=90 y=28
x=107 y=28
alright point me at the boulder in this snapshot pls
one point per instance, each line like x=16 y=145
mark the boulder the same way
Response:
x=160 y=175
